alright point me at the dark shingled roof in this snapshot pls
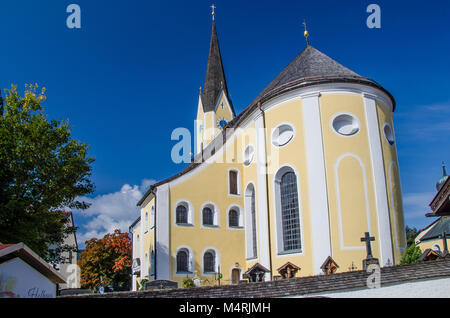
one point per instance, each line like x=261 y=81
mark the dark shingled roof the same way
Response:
x=215 y=75
x=309 y=63
x=442 y=225
x=310 y=67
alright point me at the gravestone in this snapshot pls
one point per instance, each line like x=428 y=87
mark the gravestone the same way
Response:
x=160 y=284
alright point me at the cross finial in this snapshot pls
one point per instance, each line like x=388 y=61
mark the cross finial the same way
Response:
x=213 y=13
x=306 y=33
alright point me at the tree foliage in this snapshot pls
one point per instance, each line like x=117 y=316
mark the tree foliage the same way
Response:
x=411 y=234
x=106 y=261
x=412 y=255
x=42 y=172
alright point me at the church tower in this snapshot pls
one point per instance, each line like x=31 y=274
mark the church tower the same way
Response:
x=215 y=109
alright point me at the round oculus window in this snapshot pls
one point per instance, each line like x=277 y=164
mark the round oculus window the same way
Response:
x=388 y=134
x=345 y=124
x=282 y=135
x=249 y=153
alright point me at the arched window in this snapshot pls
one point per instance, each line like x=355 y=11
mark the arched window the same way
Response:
x=208 y=216
x=146 y=221
x=182 y=261
x=250 y=222
x=181 y=215
x=290 y=216
x=253 y=212
x=209 y=263
x=233 y=218
x=137 y=252
x=152 y=217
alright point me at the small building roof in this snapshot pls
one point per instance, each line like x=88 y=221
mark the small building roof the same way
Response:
x=440 y=226
x=20 y=250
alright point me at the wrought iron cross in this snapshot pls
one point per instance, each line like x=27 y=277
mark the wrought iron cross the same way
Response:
x=367 y=238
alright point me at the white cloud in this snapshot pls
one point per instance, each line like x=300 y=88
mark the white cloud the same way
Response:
x=111 y=211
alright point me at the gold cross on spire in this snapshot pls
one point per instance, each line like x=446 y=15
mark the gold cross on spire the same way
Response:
x=213 y=7
x=306 y=33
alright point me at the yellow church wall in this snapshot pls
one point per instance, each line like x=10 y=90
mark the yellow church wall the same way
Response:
x=209 y=184
x=223 y=112
x=293 y=155
x=352 y=210
x=393 y=185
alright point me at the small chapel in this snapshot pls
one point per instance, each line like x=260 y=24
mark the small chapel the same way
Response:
x=306 y=181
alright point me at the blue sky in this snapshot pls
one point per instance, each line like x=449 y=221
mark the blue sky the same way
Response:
x=131 y=75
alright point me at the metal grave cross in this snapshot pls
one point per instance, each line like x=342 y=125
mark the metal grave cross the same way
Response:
x=444 y=243
x=367 y=238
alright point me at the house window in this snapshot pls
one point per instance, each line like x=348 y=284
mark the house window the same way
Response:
x=290 y=216
x=182 y=261
x=152 y=217
x=233 y=182
x=208 y=216
x=146 y=221
x=181 y=215
x=253 y=211
x=233 y=218
x=209 y=262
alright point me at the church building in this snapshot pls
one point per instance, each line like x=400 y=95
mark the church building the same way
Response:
x=286 y=188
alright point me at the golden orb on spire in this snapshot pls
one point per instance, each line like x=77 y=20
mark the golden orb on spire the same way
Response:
x=306 y=33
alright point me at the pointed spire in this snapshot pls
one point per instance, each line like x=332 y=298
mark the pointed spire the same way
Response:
x=215 y=80
x=444 y=173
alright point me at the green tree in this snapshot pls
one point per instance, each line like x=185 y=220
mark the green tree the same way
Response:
x=412 y=255
x=42 y=172
x=411 y=233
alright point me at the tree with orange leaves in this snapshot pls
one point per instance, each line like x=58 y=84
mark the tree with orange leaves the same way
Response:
x=106 y=262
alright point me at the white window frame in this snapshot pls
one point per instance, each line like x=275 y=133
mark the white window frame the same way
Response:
x=190 y=212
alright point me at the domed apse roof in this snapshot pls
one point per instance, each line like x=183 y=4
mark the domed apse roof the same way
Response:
x=314 y=67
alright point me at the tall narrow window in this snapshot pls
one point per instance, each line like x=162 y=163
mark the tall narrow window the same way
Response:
x=209 y=262
x=182 y=261
x=233 y=218
x=181 y=215
x=253 y=211
x=152 y=263
x=146 y=222
x=233 y=176
x=208 y=216
x=137 y=252
x=290 y=216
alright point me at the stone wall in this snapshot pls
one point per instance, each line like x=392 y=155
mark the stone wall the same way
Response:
x=303 y=286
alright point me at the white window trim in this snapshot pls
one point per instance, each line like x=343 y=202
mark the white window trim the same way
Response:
x=190 y=262
x=216 y=261
x=240 y=217
x=216 y=215
x=277 y=208
x=190 y=211
x=294 y=132
x=238 y=180
x=146 y=223
x=392 y=132
x=248 y=225
x=349 y=114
